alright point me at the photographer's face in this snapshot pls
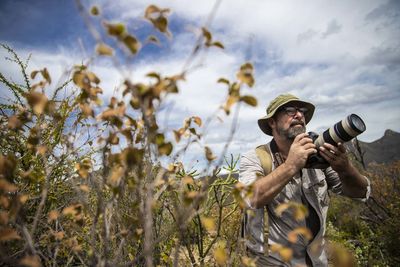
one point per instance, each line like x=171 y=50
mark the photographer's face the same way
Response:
x=288 y=125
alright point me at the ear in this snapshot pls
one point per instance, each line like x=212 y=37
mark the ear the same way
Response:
x=271 y=122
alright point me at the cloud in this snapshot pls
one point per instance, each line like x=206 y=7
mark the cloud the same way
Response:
x=332 y=28
x=306 y=36
x=344 y=62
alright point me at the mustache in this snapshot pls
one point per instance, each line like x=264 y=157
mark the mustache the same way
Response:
x=297 y=122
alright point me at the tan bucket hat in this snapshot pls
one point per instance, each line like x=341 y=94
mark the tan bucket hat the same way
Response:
x=280 y=101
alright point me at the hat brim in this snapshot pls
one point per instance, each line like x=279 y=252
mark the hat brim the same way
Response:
x=263 y=122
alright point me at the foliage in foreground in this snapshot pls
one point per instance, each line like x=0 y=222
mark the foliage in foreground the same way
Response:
x=81 y=183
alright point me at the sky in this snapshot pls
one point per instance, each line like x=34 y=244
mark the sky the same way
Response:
x=343 y=56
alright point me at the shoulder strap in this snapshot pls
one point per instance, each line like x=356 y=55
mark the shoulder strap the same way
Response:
x=264 y=155
x=265 y=158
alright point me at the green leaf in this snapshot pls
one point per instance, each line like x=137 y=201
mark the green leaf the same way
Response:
x=223 y=80
x=159 y=139
x=153 y=39
x=206 y=34
x=116 y=29
x=131 y=43
x=94 y=11
x=218 y=44
x=165 y=149
x=154 y=75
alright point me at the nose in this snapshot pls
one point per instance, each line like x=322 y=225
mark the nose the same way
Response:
x=298 y=114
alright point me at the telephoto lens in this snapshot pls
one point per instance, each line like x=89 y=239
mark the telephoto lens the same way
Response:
x=342 y=131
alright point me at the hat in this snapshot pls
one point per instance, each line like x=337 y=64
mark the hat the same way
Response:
x=280 y=101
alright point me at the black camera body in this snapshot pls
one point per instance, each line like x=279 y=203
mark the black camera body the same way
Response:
x=340 y=132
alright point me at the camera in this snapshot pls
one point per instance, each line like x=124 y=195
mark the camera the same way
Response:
x=340 y=132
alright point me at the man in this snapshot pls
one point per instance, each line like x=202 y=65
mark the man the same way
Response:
x=289 y=182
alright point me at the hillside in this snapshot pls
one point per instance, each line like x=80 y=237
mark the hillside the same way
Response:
x=384 y=150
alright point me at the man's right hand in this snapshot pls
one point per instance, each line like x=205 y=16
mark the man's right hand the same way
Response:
x=301 y=148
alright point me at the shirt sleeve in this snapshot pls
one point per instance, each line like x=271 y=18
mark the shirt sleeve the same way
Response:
x=335 y=184
x=250 y=169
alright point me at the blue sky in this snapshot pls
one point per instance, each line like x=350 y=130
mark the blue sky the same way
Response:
x=344 y=56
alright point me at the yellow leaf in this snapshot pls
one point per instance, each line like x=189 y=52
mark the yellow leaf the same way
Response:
x=23 y=198
x=80 y=79
x=3 y=217
x=30 y=261
x=7 y=186
x=150 y=10
x=115 y=177
x=220 y=256
x=84 y=168
x=7 y=234
x=276 y=247
x=192 y=194
x=46 y=75
x=113 y=139
x=281 y=208
x=250 y=100
x=37 y=101
x=34 y=73
x=7 y=166
x=286 y=254
x=86 y=110
x=41 y=149
x=4 y=202
x=300 y=212
x=84 y=188
x=248 y=262
x=187 y=180
x=304 y=231
x=92 y=77
x=208 y=223
x=59 y=235
x=177 y=136
x=73 y=210
x=229 y=102
x=197 y=120
x=245 y=75
x=52 y=216
x=209 y=154
x=14 y=122
x=105 y=50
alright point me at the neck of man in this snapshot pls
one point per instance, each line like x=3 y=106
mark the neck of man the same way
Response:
x=283 y=144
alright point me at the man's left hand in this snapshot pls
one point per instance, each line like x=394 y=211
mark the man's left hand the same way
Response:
x=336 y=156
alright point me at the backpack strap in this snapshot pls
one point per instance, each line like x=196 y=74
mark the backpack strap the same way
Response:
x=265 y=158
x=263 y=154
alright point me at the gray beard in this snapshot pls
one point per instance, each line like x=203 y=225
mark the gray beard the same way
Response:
x=292 y=132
